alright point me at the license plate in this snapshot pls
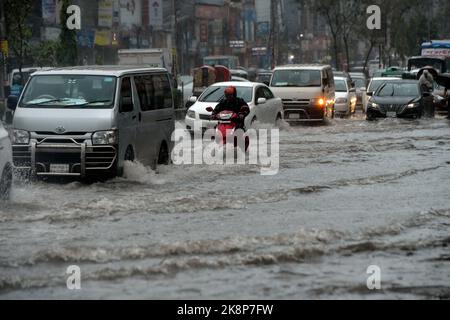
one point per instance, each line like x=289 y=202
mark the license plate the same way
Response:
x=391 y=114
x=294 y=116
x=59 y=168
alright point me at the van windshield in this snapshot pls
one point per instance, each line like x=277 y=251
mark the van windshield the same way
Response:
x=296 y=78
x=62 y=91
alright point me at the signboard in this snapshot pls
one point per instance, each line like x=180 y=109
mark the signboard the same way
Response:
x=49 y=11
x=204 y=32
x=209 y=12
x=436 y=52
x=103 y=37
x=237 y=44
x=156 y=14
x=130 y=12
x=86 y=38
x=105 y=13
x=259 y=51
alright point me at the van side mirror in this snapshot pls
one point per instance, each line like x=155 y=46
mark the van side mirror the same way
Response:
x=126 y=104
x=261 y=101
x=193 y=99
x=12 y=102
x=324 y=82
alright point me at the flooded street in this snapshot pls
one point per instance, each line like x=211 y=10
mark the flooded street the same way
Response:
x=348 y=195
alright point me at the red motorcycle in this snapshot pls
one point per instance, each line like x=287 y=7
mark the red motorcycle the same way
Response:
x=227 y=123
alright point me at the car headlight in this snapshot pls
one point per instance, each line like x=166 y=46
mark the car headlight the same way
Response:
x=191 y=114
x=319 y=102
x=341 y=100
x=20 y=137
x=105 y=137
x=374 y=105
x=413 y=105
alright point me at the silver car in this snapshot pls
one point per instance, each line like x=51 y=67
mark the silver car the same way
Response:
x=84 y=122
x=5 y=164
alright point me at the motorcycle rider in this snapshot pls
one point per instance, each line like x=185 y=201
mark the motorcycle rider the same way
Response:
x=231 y=102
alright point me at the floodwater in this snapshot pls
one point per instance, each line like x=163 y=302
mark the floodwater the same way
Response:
x=349 y=195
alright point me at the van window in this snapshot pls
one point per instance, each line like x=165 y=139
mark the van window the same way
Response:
x=163 y=93
x=154 y=92
x=296 y=78
x=125 y=90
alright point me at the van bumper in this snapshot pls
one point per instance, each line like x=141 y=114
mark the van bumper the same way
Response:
x=309 y=113
x=65 y=159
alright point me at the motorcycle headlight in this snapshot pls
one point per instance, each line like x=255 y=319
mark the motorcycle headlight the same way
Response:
x=341 y=100
x=20 y=137
x=105 y=137
x=413 y=105
x=191 y=114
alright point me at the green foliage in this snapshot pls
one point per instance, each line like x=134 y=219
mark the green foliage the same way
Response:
x=44 y=54
x=66 y=53
x=17 y=28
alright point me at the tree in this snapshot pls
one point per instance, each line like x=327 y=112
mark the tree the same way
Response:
x=66 y=54
x=330 y=10
x=18 y=29
x=45 y=54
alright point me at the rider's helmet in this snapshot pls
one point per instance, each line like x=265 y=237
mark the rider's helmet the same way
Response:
x=230 y=93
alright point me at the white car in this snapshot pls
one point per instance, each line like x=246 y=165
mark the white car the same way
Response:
x=345 y=104
x=374 y=84
x=5 y=164
x=264 y=106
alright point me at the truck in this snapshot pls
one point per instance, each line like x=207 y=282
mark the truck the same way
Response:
x=155 y=58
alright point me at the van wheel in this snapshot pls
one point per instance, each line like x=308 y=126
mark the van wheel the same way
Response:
x=163 y=157
x=6 y=183
x=278 y=120
x=129 y=154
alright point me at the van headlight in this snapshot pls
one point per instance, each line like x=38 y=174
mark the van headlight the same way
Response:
x=319 y=102
x=20 y=137
x=109 y=137
x=373 y=105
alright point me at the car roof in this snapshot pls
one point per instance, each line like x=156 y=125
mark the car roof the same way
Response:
x=340 y=78
x=302 y=66
x=236 y=84
x=100 y=70
x=386 y=78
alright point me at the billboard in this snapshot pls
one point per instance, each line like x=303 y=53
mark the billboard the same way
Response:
x=156 y=14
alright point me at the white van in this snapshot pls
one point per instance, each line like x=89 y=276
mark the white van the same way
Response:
x=307 y=91
x=86 y=121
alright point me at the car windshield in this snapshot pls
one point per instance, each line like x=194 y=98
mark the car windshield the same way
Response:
x=375 y=84
x=296 y=78
x=216 y=93
x=340 y=86
x=392 y=89
x=60 y=91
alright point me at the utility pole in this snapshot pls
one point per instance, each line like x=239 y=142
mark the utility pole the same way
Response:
x=3 y=57
x=273 y=39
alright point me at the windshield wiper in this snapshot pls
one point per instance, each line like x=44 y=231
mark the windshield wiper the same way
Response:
x=94 y=101
x=46 y=101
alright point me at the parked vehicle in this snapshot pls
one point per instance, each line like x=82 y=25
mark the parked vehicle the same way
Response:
x=264 y=77
x=402 y=99
x=264 y=106
x=231 y=62
x=393 y=72
x=374 y=84
x=6 y=168
x=85 y=121
x=360 y=85
x=345 y=104
x=307 y=91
